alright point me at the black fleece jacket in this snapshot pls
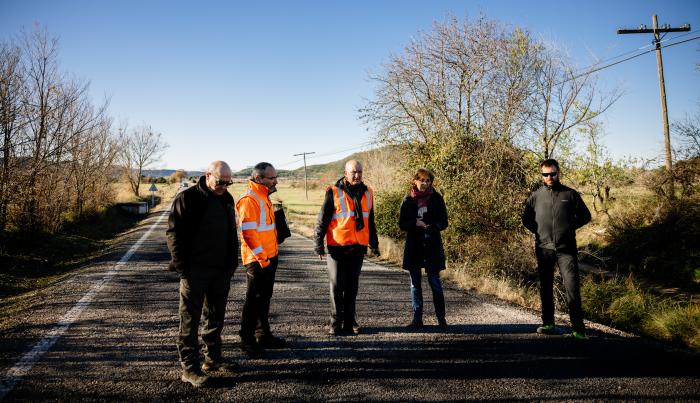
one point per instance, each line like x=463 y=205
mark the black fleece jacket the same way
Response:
x=553 y=215
x=185 y=216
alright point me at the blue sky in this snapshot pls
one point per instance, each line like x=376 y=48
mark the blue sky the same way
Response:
x=260 y=81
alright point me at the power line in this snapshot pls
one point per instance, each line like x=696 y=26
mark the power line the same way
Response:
x=624 y=60
x=635 y=50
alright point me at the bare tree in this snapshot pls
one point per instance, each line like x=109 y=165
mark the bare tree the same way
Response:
x=11 y=122
x=54 y=106
x=139 y=149
x=562 y=101
x=471 y=78
x=687 y=132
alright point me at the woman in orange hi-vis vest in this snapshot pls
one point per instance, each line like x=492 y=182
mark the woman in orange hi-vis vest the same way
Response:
x=259 y=255
x=346 y=222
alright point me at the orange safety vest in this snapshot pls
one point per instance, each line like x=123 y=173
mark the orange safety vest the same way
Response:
x=341 y=230
x=257 y=223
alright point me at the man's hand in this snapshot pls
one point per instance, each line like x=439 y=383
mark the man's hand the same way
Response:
x=421 y=224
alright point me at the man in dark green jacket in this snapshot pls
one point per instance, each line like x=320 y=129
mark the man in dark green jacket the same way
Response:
x=203 y=244
x=553 y=213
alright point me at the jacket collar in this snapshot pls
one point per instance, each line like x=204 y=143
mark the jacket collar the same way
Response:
x=258 y=188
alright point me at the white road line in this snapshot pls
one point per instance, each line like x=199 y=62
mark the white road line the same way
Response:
x=25 y=364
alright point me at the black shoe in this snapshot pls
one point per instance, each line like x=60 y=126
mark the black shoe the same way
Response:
x=195 y=377
x=415 y=324
x=271 y=342
x=252 y=348
x=334 y=330
x=220 y=365
x=442 y=324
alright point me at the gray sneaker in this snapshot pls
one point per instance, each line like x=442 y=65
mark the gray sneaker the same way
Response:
x=195 y=377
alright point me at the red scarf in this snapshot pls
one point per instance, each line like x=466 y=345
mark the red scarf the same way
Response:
x=421 y=198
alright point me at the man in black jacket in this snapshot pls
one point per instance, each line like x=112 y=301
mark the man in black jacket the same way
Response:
x=553 y=213
x=203 y=245
x=346 y=222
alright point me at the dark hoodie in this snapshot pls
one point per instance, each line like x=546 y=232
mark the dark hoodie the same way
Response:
x=554 y=214
x=324 y=219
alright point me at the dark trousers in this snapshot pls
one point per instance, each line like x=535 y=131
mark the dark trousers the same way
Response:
x=203 y=293
x=417 y=293
x=256 y=309
x=344 y=276
x=568 y=267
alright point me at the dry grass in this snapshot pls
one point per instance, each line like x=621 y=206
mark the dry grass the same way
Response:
x=500 y=287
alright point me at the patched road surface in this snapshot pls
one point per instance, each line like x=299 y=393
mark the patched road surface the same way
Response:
x=108 y=333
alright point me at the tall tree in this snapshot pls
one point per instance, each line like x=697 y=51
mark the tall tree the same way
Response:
x=11 y=121
x=139 y=149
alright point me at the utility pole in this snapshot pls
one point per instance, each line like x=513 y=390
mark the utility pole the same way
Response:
x=662 y=87
x=306 y=188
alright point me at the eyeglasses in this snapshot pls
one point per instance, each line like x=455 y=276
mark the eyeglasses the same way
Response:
x=552 y=174
x=222 y=182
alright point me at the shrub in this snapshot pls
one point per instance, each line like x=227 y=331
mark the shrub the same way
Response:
x=386 y=213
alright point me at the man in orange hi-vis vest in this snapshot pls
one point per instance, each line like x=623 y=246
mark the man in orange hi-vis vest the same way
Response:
x=346 y=221
x=259 y=255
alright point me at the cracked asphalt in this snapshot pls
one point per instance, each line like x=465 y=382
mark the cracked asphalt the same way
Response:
x=120 y=343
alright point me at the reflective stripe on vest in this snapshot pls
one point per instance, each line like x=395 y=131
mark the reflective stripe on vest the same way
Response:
x=262 y=225
x=344 y=213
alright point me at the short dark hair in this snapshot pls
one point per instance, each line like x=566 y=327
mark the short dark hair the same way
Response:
x=550 y=162
x=259 y=169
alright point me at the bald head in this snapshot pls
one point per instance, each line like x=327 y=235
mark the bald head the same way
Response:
x=353 y=172
x=218 y=177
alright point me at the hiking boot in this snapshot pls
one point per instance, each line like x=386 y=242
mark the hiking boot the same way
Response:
x=195 y=377
x=442 y=324
x=220 y=365
x=579 y=335
x=251 y=348
x=547 y=329
x=271 y=342
x=415 y=324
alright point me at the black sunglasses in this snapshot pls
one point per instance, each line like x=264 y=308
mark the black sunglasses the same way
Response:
x=222 y=182
x=546 y=174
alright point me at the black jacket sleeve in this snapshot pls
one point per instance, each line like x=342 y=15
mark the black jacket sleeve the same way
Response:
x=583 y=215
x=438 y=220
x=177 y=236
x=528 y=216
x=407 y=215
x=322 y=222
x=373 y=239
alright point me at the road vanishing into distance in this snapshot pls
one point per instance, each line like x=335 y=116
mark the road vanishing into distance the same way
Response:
x=108 y=333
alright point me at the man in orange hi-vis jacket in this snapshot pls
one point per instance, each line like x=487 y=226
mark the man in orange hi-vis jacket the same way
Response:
x=259 y=255
x=346 y=222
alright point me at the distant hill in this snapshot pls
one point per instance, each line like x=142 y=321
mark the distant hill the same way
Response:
x=333 y=169
x=158 y=173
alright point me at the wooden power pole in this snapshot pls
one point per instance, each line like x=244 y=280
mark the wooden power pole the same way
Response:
x=662 y=87
x=306 y=188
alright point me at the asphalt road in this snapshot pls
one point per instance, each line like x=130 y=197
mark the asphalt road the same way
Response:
x=108 y=333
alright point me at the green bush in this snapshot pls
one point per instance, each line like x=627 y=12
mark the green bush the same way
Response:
x=386 y=213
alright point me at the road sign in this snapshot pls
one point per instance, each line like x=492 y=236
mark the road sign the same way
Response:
x=153 y=188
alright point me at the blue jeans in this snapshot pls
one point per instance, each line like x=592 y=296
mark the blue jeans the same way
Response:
x=417 y=293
